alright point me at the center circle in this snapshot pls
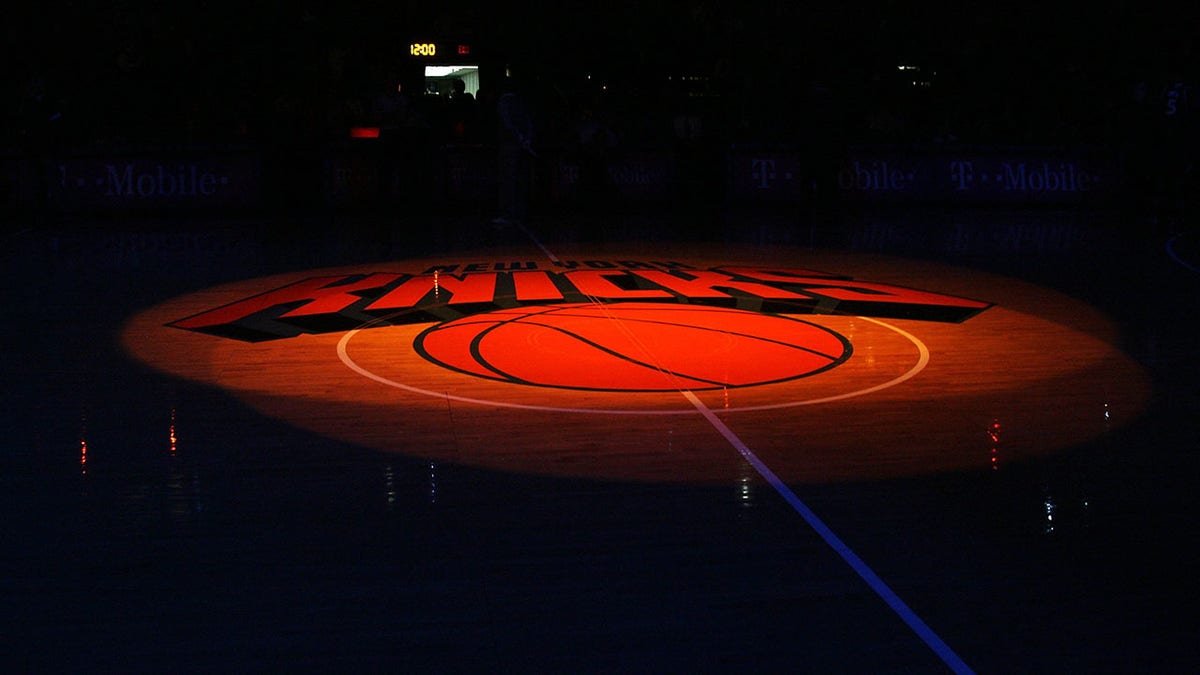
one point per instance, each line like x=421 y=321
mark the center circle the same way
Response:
x=633 y=347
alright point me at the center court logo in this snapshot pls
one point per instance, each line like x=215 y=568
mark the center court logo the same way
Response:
x=829 y=365
x=593 y=325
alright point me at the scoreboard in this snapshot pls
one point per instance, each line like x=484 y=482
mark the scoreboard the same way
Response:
x=440 y=50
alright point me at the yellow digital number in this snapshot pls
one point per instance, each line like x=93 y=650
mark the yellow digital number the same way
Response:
x=422 y=49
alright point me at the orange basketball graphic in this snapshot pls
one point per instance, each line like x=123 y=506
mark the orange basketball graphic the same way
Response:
x=633 y=346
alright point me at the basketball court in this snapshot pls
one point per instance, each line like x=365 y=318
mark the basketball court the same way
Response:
x=908 y=440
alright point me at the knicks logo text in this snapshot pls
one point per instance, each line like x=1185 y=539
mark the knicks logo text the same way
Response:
x=448 y=292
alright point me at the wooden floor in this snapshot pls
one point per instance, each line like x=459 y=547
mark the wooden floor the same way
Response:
x=1010 y=492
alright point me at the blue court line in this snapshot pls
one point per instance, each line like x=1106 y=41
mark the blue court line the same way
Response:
x=553 y=258
x=1174 y=256
x=944 y=652
x=889 y=596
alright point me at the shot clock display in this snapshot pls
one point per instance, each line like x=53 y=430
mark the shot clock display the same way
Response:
x=436 y=50
x=441 y=51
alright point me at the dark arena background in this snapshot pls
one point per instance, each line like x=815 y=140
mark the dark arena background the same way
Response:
x=648 y=338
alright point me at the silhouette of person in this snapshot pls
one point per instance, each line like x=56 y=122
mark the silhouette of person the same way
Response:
x=391 y=111
x=690 y=144
x=596 y=142
x=403 y=145
x=515 y=134
x=461 y=112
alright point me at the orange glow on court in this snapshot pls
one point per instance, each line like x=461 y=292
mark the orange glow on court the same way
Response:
x=808 y=391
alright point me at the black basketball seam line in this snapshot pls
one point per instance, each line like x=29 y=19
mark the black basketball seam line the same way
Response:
x=723 y=310
x=506 y=377
x=474 y=349
x=419 y=347
x=749 y=336
x=558 y=309
x=510 y=379
x=847 y=347
x=833 y=362
x=714 y=385
x=601 y=348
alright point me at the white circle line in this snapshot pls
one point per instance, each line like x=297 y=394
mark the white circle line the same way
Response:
x=922 y=361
